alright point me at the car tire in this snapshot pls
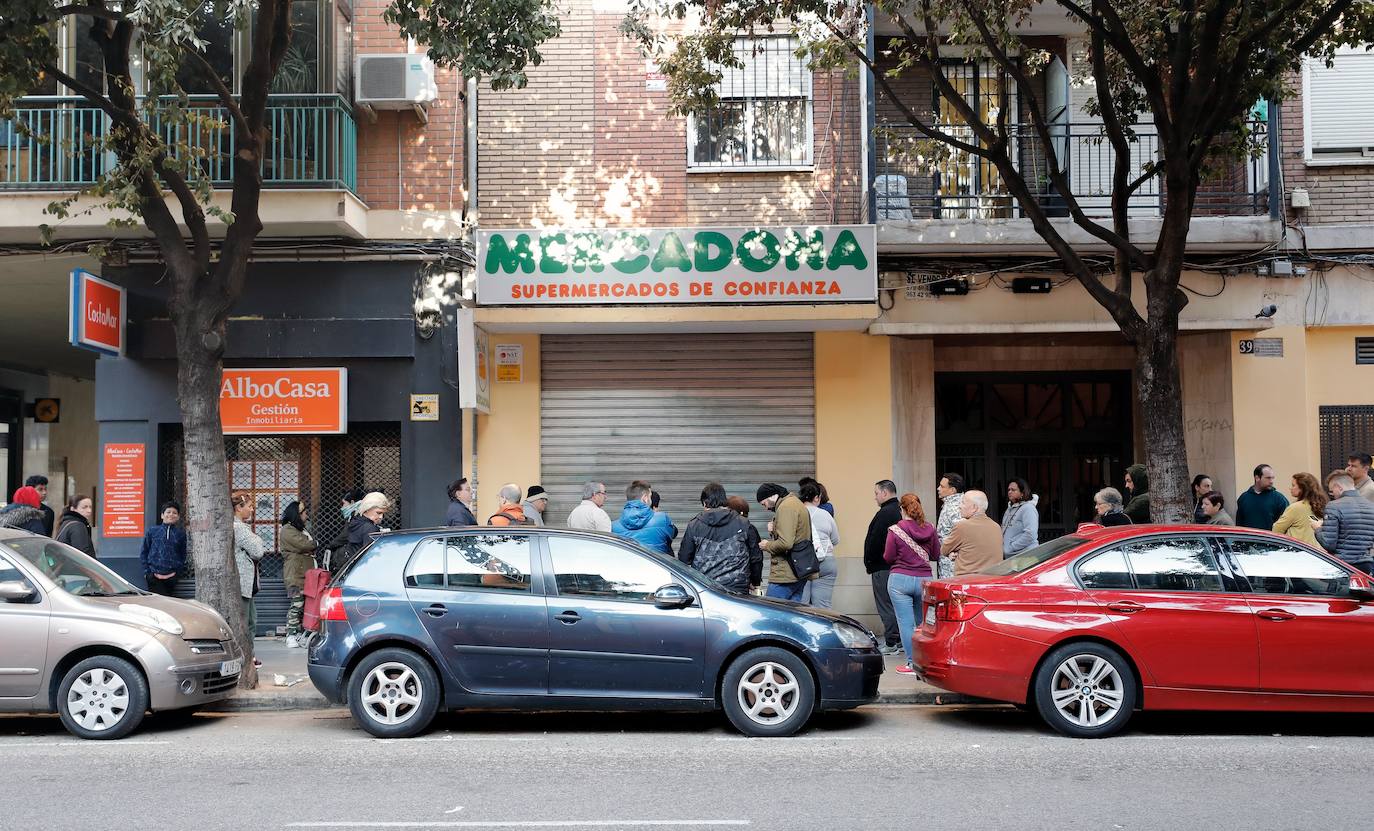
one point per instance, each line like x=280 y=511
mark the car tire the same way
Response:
x=102 y=697
x=768 y=692
x=1085 y=690
x=393 y=693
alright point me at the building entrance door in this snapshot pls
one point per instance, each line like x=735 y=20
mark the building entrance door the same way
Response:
x=11 y=447
x=1066 y=434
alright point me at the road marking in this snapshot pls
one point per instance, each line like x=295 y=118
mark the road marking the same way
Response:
x=451 y=739
x=788 y=739
x=120 y=743
x=549 y=823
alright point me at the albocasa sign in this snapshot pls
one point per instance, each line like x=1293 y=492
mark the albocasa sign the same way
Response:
x=801 y=264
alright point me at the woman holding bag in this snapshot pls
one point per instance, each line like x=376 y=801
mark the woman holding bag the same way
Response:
x=912 y=545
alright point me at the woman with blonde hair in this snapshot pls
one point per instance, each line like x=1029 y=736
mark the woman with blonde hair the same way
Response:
x=1309 y=504
x=912 y=545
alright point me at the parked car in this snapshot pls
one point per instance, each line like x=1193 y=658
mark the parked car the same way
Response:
x=1090 y=627
x=79 y=640
x=546 y=619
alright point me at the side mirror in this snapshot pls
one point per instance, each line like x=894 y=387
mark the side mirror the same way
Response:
x=1361 y=591
x=17 y=591
x=672 y=596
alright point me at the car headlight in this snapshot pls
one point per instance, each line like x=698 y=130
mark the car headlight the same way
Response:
x=855 y=638
x=153 y=617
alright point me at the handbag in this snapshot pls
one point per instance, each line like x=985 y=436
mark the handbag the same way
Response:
x=257 y=578
x=803 y=560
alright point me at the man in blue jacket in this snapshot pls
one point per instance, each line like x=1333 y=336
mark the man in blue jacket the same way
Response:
x=641 y=523
x=163 y=555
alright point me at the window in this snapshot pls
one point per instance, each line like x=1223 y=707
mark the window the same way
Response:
x=1174 y=565
x=8 y=572
x=1275 y=568
x=1035 y=556
x=1107 y=570
x=72 y=571
x=763 y=118
x=1338 y=113
x=426 y=569
x=595 y=569
x=489 y=561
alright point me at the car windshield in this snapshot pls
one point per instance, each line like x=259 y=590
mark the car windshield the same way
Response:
x=1035 y=556
x=72 y=571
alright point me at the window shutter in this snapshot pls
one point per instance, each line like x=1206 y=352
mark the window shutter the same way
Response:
x=1364 y=351
x=1340 y=108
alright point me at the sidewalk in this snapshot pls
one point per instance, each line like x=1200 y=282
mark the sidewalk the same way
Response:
x=284 y=685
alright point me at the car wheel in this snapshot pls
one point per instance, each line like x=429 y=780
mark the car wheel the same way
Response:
x=102 y=697
x=768 y=692
x=393 y=694
x=1085 y=690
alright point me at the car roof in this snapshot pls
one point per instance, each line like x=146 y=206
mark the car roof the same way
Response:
x=487 y=529
x=1099 y=534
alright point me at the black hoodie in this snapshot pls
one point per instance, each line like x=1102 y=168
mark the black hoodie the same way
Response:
x=76 y=532
x=716 y=543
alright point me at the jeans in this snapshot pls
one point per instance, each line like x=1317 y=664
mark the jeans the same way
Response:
x=787 y=591
x=166 y=588
x=905 y=591
x=819 y=591
x=883 y=601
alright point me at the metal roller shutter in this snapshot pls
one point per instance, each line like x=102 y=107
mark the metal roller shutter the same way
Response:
x=679 y=411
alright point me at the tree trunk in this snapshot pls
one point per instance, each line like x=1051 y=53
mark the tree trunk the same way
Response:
x=1159 y=390
x=199 y=372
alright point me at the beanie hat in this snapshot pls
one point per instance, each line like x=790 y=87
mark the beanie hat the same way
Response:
x=28 y=496
x=536 y=492
x=768 y=489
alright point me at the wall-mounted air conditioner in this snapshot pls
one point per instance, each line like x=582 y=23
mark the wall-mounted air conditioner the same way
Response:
x=394 y=82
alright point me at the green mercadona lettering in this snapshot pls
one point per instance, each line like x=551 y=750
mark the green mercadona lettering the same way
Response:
x=631 y=253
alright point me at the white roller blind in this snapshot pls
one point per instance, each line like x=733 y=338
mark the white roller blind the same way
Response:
x=1340 y=105
x=771 y=70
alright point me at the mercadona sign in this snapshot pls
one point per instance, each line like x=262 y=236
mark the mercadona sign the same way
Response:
x=800 y=264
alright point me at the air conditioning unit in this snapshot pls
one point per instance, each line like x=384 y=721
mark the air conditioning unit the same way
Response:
x=394 y=82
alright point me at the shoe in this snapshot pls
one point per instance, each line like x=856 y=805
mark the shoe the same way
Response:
x=893 y=649
x=257 y=662
x=907 y=669
x=294 y=642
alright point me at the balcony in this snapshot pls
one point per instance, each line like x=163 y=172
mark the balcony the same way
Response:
x=313 y=143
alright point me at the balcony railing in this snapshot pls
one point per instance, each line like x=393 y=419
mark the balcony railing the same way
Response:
x=313 y=143
x=921 y=179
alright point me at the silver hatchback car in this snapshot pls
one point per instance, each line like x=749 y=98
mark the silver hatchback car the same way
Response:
x=79 y=640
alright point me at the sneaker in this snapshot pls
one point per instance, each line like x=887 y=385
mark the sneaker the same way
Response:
x=892 y=649
x=293 y=642
x=257 y=662
x=907 y=669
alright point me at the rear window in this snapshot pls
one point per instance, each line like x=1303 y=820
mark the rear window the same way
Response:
x=1030 y=559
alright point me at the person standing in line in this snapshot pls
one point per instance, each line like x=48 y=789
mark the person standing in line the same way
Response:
x=590 y=515
x=248 y=551
x=889 y=514
x=298 y=557
x=1214 y=506
x=75 y=526
x=716 y=542
x=1107 y=504
x=740 y=505
x=975 y=544
x=791 y=524
x=1357 y=465
x=1138 y=486
x=639 y=522
x=1347 y=531
x=509 y=511
x=825 y=495
x=951 y=493
x=459 y=514
x=39 y=483
x=1021 y=521
x=1261 y=505
x=535 y=504
x=348 y=508
x=163 y=555
x=1202 y=485
x=825 y=535
x=1310 y=504
x=912 y=545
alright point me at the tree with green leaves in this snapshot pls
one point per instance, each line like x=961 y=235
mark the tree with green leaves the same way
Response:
x=160 y=181
x=1192 y=70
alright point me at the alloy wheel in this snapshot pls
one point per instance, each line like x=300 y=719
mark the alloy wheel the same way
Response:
x=1087 y=690
x=768 y=693
x=392 y=693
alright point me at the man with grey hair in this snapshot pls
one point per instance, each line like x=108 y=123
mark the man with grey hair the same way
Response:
x=509 y=512
x=589 y=515
x=1347 y=530
x=975 y=544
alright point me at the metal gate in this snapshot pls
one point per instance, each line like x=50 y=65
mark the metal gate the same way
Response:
x=1344 y=429
x=276 y=470
x=678 y=411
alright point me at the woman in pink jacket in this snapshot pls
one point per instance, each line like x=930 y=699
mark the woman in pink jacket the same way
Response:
x=912 y=545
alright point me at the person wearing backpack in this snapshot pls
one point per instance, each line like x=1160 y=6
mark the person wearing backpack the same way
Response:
x=716 y=542
x=509 y=511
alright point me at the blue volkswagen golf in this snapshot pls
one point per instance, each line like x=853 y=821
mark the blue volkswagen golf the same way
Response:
x=544 y=619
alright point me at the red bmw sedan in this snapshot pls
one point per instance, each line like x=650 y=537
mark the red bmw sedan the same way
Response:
x=1090 y=627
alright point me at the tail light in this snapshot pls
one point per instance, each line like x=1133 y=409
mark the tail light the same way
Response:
x=332 y=606
x=959 y=607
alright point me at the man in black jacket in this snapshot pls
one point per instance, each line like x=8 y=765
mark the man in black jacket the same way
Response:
x=39 y=483
x=889 y=514
x=717 y=543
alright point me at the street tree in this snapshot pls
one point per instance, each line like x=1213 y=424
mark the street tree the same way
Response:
x=160 y=181
x=1193 y=70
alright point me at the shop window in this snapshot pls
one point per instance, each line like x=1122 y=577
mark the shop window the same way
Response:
x=763 y=117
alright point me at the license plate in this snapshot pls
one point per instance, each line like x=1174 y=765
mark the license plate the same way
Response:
x=930 y=615
x=233 y=667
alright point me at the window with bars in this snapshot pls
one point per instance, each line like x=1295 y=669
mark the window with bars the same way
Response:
x=763 y=118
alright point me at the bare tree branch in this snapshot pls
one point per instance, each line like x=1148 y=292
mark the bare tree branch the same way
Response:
x=226 y=98
x=93 y=95
x=1121 y=150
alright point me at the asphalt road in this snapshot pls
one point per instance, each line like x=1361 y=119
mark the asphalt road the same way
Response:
x=895 y=767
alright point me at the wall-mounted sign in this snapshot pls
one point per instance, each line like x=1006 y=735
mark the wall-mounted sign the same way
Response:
x=98 y=312
x=510 y=363
x=424 y=407
x=1262 y=347
x=47 y=410
x=474 y=364
x=284 y=401
x=122 y=503
x=655 y=80
x=802 y=264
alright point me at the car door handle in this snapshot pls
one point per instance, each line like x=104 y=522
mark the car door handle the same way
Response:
x=436 y=610
x=1125 y=607
x=568 y=617
x=1275 y=614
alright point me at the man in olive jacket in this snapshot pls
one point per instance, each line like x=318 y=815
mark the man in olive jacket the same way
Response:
x=889 y=514
x=791 y=524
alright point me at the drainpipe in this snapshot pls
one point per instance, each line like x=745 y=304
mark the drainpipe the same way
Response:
x=1275 y=169
x=470 y=152
x=867 y=154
